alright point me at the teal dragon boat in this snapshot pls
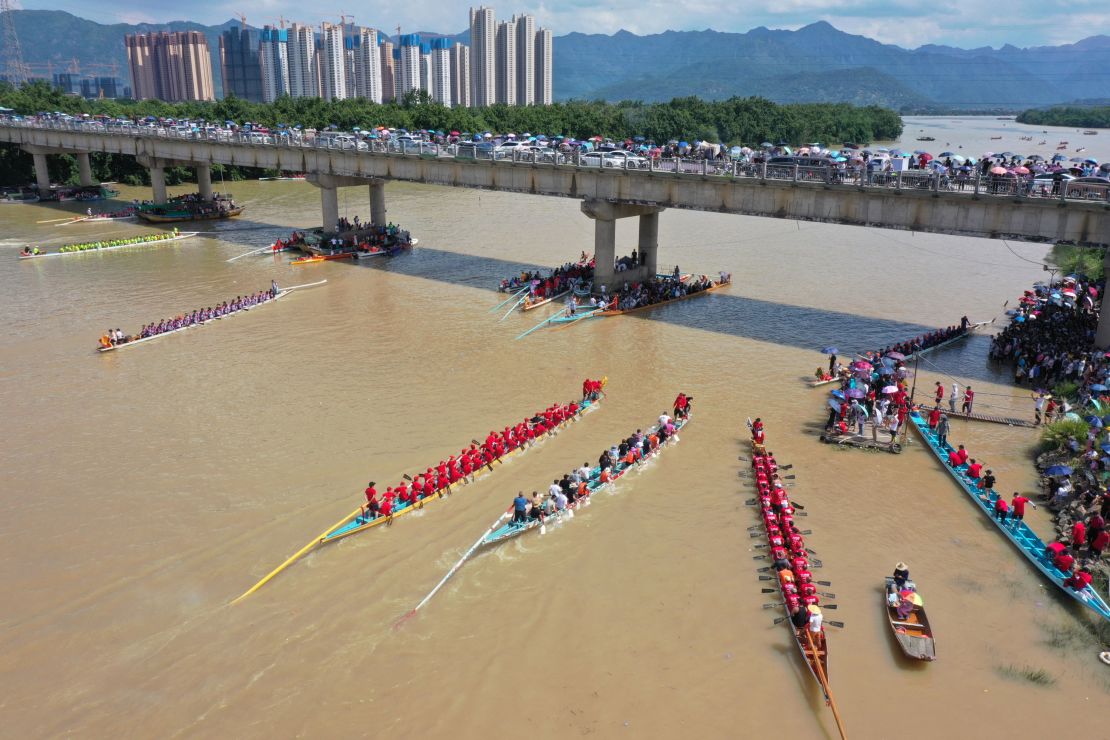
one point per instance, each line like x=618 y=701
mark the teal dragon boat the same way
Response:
x=1018 y=532
x=500 y=531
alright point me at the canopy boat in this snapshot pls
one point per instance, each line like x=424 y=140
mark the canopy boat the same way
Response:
x=135 y=342
x=914 y=635
x=359 y=521
x=919 y=353
x=182 y=215
x=182 y=209
x=130 y=245
x=1018 y=532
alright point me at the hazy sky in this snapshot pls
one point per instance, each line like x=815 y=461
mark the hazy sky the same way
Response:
x=910 y=23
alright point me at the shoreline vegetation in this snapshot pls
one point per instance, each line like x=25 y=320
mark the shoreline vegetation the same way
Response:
x=733 y=121
x=1095 y=116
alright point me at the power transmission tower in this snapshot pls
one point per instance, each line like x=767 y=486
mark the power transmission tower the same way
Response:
x=15 y=68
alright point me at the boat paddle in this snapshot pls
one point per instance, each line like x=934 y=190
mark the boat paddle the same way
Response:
x=825 y=683
x=514 y=295
x=247 y=254
x=507 y=313
x=542 y=323
x=454 y=568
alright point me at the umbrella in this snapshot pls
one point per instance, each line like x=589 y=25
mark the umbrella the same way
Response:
x=896 y=355
x=886 y=371
x=834 y=404
x=1094 y=421
x=838 y=394
x=890 y=389
x=1106 y=449
x=1021 y=170
x=860 y=364
x=947 y=154
x=856 y=393
x=1098 y=387
x=913 y=597
x=998 y=170
x=830 y=350
x=1058 y=470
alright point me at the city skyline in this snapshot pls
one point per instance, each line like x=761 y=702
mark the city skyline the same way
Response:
x=909 y=23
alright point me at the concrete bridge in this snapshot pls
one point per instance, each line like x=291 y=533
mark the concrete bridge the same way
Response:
x=981 y=207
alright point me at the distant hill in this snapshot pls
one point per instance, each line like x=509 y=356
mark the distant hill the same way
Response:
x=817 y=63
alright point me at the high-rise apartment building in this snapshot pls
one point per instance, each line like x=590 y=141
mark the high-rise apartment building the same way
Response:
x=368 y=66
x=173 y=66
x=460 y=75
x=388 y=71
x=483 y=60
x=102 y=87
x=301 y=52
x=525 y=59
x=442 y=79
x=543 y=87
x=332 y=62
x=506 y=63
x=409 y=69
x=67 y=83
x=239 y=65
x=273 y=58
x=426 y=67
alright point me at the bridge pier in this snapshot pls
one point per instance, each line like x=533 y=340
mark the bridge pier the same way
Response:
x=605 y=215
x=329 y=208
x=84 y=168
x=158 y=183
x=42 y=174
x=204 y=181
x=377 y=203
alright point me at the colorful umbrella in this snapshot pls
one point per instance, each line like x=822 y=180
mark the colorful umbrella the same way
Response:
x=838 y=394
x=890 y=389
x=830 y=350
x=896 y=355
x=1056 y=470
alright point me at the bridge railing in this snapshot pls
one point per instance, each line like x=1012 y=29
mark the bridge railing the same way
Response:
x=834 y=174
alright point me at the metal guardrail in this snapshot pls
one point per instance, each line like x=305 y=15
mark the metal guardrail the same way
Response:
x=973 y=183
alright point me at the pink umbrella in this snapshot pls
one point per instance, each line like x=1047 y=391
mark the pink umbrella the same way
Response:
x=890 y=389
x=998 y=170
x=1022 y=170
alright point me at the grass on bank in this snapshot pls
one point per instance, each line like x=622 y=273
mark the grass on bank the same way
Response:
x=1036 y=676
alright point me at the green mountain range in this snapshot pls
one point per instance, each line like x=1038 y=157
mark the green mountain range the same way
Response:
x=816 y=63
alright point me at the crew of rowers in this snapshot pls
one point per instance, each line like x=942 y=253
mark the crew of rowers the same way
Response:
x=29 y=251
x=294 y=241
x=655 y=290
x=788 y=553
x=115 y=337
x=577 y=275
x=902 y=349
x=90 y=216
x=580 y=483
x=464 y=466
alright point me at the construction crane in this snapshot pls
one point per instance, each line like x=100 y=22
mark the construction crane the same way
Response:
x=15 y=69
x=242 y=20
x=281 y=21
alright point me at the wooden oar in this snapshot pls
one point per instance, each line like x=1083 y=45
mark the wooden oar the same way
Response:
x=581 y=316
x=542 y=323
x=55 y=220
x=253 y=251
x=299 y=554
x=454 y=568
x=514 y=295
x=825 y=684
x=522 y=299
x=306 y=285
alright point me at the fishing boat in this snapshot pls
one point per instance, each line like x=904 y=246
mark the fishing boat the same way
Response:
x=919 y=353
x=914 y=635
x=1017 y=531
x=91 y=250
x=500 y=531
x=777 y=512
x=359 y=521
x=135 y=342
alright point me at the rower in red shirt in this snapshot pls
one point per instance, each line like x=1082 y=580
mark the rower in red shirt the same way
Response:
x=954 y=459
x=1064 y=561
x=963 y=454
x=1018 y=505
x=371 y=505
x=1001 y=510
x=1078 y=534
x=934 y=417
x=974 y=469
x=1079 y=580
x=680 y=404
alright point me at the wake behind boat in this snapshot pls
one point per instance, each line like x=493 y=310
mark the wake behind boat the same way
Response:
x=574 y=491
x=115 y=339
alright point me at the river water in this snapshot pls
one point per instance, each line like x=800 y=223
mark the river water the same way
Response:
x=144 y=490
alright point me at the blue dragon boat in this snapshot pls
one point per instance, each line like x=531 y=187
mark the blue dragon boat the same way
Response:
x=1018 y=532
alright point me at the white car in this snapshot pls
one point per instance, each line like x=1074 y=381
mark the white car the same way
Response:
x=622 y=159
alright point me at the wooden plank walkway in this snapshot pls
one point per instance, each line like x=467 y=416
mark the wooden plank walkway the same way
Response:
x=1009 y=421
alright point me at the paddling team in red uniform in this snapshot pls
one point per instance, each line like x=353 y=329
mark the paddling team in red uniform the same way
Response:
x=462 y=467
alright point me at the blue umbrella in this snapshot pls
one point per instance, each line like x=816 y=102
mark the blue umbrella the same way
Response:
x=830 y=350
x=1094 y=421
x=1058 y=470
x=886 y=371
x=1098 y=387
x=834 y=404
x=839 y=394
x=1106 y=449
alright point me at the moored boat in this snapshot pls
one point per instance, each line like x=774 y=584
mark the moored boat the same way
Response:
x=1017 y=531
x=168 y=215
x=914 y=635
x=586 y=313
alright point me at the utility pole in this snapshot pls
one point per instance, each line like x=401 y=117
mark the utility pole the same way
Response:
x=15 y=68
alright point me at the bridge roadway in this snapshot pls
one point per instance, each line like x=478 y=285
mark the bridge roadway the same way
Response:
x=908 y=201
